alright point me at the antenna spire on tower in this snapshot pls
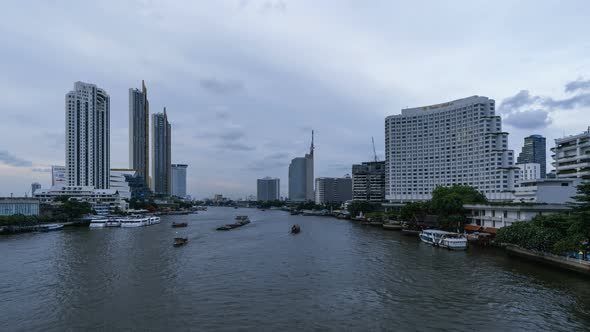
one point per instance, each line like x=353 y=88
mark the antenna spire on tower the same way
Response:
x=312 y=147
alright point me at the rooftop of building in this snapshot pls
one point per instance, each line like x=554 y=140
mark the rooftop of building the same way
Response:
x=518 y=206
x=443 y=106
x=572 y=137
x=19 y=200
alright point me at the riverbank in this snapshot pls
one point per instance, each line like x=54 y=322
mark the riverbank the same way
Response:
x=562 y=262
x=17 y=229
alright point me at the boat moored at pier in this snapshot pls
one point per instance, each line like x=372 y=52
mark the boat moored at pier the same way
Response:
x=444 y=239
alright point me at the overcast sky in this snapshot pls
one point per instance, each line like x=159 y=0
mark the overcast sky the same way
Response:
x=245 y=81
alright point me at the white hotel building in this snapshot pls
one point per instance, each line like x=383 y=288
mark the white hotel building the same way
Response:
x=456 y=143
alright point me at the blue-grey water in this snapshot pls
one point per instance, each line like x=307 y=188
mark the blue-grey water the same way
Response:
x=333 y=276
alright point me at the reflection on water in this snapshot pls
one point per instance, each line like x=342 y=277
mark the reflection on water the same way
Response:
x=334 y=275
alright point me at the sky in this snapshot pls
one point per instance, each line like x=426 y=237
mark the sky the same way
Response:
x=245 y=81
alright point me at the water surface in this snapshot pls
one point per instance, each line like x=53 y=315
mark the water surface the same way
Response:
x=333 y=276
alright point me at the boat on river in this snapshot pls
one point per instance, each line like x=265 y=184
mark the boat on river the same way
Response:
x=51 y=227
x=240 y=221
x=180 y=241
x=111 y=222
x=295 y=229
x=179 y=224
x=444 y=239
x=98 y=223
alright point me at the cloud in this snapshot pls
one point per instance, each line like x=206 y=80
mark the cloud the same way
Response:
x=41 y=170
x=235 y=146
x=521 y=99
x=528 y=111
x=9 y=159
x=579 y=84
x=232 y=134
x=528 y=120
x=274 y=6
x=221 y=87
x=272 y=161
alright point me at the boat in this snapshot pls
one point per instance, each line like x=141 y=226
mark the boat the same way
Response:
x=135 y=221
x=98 y=223
x=444 y=239
x=153 y=220
x=52 y=227
x=180 y=241
x=179 y=224
x=240 y=221
x=295 y=229
x=111 y=222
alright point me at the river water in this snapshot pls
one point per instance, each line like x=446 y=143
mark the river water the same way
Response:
x=333 y=276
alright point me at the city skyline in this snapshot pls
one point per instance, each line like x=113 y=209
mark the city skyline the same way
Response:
x=538 y=77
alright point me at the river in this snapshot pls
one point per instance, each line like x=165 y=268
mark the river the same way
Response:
x=333 y=276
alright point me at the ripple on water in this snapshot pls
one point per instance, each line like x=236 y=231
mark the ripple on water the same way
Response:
x=334 y=275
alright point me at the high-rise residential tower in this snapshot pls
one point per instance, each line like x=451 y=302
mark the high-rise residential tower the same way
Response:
x=534 y=150
x=268 y=189
x=456 y=143
x=368 y=181
x=178 y=180
x=139 y=137
x=161 y=139
x=87 y=136
x=301 y=177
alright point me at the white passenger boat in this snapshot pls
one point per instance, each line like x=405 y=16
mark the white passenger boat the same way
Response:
x=134 y=221
x=444 y=239
x=153 y=220
x=98 y=223
x=113 y=222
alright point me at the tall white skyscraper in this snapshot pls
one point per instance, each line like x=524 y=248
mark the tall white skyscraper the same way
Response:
x=139 y=133
x=87 y=136
x=301 y=177
x=456 y=143
x=178 y=179
x=161 y=141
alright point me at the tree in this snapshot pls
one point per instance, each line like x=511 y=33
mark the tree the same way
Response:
x=356 y=207
x=447 y=203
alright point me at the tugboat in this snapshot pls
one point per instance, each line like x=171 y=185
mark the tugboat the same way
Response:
x=295 y=229
x=179 y=224
x=180 y=241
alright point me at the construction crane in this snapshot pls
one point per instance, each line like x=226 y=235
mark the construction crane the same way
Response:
x=374 y=151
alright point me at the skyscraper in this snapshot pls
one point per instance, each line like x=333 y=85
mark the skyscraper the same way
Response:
x=455 y=143
x=87 y=136
x=139 y=137
x=301 y=177
x=368 y=181
x=178 y=179
x=534 y=151
x=268 y=189
x=161 y=138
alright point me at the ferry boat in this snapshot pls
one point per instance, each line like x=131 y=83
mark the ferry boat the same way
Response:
x=112 y=222
x=153 y=220
x=444 y=239
x=52 y=227
x=134 y=222
x=98 y=223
